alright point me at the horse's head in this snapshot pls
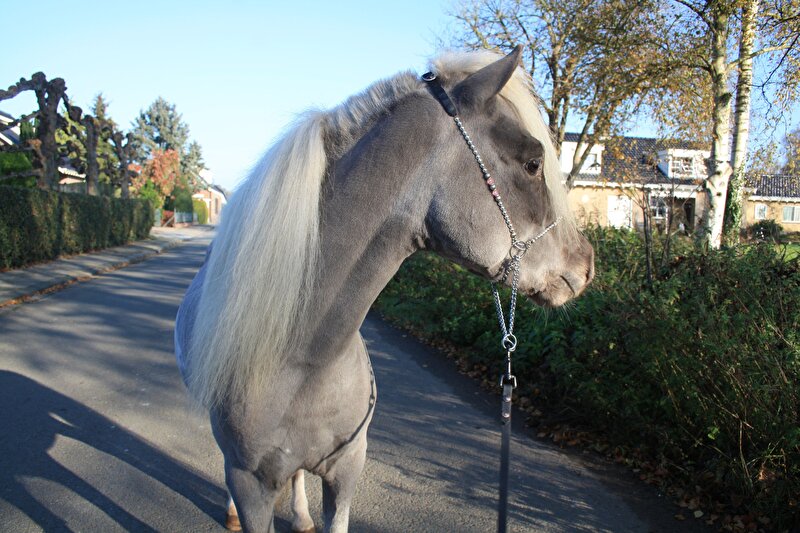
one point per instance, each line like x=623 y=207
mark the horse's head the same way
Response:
x=465 y=221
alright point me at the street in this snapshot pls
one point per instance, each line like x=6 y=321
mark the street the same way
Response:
x=99 y=435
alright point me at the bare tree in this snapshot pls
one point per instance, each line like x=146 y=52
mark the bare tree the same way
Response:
x=595 y=59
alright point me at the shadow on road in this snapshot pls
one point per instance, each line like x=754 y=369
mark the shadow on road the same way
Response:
x=35 y=417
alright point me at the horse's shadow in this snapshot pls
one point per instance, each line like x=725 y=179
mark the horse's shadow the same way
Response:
x=34 y=417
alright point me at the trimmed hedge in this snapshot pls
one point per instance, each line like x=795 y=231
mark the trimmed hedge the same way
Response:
x=200 y=209
x=701 y=371
x=37 y=225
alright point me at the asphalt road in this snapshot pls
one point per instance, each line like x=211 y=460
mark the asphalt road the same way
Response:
x=98 y=434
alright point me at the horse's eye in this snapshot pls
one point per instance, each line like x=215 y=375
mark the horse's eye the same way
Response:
x=532 y=166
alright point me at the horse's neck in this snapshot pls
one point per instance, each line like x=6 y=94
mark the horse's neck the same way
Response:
x=363 y=243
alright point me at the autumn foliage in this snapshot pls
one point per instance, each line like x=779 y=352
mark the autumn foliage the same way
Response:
x=163 y=170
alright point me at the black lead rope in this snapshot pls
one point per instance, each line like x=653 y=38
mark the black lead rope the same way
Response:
x=505 y=453
x=508 y=381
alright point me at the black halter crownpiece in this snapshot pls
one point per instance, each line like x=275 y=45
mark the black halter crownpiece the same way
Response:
x=440 y=94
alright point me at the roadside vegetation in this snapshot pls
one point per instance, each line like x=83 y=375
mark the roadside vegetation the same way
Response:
x=692 y=378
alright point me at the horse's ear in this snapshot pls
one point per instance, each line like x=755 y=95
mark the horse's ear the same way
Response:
x=480 y=87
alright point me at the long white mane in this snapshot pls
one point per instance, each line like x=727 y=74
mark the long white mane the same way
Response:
x=262 y=272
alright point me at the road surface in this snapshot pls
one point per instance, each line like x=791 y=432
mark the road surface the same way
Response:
x=98 y=434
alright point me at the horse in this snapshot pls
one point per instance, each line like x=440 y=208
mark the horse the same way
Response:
x=267 y=336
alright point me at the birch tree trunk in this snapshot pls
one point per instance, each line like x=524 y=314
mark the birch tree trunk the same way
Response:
x=741 y=131
x=720 y=171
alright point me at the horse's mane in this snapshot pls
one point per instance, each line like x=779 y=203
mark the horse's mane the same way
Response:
x=262 y=272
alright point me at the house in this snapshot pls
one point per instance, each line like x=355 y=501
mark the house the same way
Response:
x=609 y=190
x=214 y=198
x=772 y=196
x=8 y=136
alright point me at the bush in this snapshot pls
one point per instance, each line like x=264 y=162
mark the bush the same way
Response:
x=16 y=163
x=38 y=225
x=765 y=231
x=701 y=370
x=183 y=200
x=200 y=210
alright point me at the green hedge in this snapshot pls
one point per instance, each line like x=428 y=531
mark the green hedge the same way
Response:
x=700 y=371
x=38 y=225
x=200 y=209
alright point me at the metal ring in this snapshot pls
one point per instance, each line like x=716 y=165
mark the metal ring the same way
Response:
x=518 y=250
x=510 y=342
x=428 y=76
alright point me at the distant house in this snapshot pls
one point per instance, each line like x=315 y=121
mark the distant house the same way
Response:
x=773 y=196
x=608 y=189
x=215 y=199
x=8 y=136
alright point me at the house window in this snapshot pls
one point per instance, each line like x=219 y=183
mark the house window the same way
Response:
x=682 y=166
x=658 y=207
x=761 y=211
x=791 y=213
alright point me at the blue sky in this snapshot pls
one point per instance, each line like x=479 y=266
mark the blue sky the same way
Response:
x=238 y=72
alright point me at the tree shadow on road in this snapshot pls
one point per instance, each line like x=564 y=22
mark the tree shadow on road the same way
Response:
x=36 y=417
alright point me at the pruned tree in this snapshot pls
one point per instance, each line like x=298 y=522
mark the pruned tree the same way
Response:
x=87 y=136
x=124 y=149
x=49 y=95
x=87 y=140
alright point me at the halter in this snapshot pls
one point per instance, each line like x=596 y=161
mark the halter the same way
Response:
x=511 y=266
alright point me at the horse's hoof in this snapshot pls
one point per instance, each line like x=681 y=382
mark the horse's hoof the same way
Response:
x=309 y=530
x=232 y=523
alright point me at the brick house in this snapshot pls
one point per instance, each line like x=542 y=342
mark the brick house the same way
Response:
x=610 y=189
x=775 y=197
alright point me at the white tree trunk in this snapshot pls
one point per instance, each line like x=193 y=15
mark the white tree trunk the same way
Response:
x=741 y=131
x=720 y=171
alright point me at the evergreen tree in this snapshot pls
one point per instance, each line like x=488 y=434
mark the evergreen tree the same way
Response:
x=192 y=163
x=160 y=128
x=106 y=155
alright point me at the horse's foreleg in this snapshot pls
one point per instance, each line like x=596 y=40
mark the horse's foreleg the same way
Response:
x=339 y=486
x=232 y=517
x=301 y=521
x=254 y=501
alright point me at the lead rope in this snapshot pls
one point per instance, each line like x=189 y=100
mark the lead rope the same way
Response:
x=518 y=249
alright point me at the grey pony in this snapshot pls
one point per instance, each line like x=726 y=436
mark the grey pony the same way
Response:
x=402 y=182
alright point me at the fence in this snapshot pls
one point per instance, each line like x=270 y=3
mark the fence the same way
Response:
x=103 y=189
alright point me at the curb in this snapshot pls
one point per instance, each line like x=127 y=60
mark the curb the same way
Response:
x=32 y=283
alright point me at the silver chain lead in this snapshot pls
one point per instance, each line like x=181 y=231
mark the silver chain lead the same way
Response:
x=517 y=251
